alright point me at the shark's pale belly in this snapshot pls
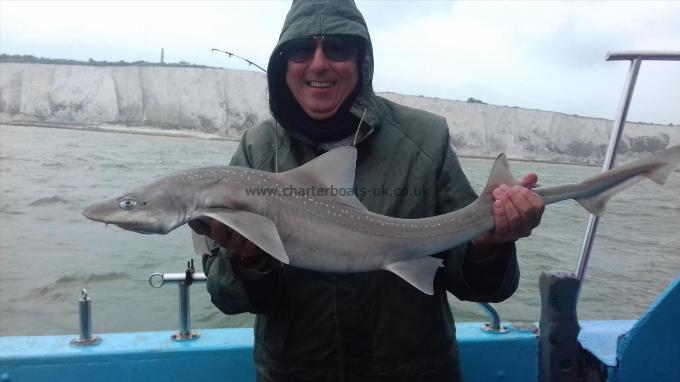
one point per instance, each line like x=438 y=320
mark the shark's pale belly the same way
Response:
x=322 y=246
x=359 y=241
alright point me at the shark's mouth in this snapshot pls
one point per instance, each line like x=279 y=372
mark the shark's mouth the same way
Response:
x=136 y=228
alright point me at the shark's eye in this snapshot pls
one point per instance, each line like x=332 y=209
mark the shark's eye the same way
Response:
x=128 y=204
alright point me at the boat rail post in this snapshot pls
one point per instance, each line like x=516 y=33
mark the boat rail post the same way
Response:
x=610 y=159
x=86 y=337
x=495 y=325
x=635 y=58
x=184 y=281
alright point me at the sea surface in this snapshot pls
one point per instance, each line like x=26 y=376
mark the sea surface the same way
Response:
x=49 y=252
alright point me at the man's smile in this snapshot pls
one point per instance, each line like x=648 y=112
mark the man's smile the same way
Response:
x=320 y=84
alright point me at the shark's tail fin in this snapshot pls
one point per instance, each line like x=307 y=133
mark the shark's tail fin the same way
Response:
x=667 y=161
x=500 y=174
x=656 y=167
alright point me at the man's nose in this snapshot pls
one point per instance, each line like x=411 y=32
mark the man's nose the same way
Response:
x=319 y=59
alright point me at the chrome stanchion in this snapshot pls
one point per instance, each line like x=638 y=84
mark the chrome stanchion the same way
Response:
x=635 y=58
x=183 y=280
x=85 y=312
x=495 y=325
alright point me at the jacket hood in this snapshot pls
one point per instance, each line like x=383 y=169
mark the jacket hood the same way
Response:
x=308 y=18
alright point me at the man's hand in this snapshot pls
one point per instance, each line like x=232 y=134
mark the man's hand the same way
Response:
x=517 y=211
x=226 y=237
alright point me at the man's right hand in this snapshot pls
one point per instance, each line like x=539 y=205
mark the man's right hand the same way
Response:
x=226 y=237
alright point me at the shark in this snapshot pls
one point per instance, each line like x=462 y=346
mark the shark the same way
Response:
x=296 y=218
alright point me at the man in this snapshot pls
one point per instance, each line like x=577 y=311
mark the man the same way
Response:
x=368 y=326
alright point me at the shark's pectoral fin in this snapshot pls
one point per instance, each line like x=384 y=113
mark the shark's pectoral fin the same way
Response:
x=418 y=272
x=256 y=228
x=202 y=244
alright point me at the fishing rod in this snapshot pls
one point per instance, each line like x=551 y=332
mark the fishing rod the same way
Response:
x=250 y=63
x=276 y=125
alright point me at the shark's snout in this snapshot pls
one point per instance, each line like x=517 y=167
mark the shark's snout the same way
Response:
x=93 y=212
x=128 y=215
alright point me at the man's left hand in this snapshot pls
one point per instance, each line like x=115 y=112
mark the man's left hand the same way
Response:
x=517 y=211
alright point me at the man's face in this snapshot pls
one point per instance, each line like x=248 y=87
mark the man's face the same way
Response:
x=321 y=74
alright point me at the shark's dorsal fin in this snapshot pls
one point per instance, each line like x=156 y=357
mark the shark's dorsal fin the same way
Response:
x=500 y=174
x=332 y=171
x=334 y=168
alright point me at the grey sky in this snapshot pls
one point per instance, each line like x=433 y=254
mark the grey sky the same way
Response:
x=545 y=55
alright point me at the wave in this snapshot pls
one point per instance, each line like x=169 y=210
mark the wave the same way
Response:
x=150 y=264
x=56 y=290
x=53 y=165
x=7 y=209
x=67 y=186
x=121 y=166
x=56 y=199
x=91 y=278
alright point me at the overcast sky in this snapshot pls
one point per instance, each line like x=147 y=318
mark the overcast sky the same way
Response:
x=545 y=55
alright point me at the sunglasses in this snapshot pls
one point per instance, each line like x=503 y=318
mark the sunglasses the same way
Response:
x=335 y=48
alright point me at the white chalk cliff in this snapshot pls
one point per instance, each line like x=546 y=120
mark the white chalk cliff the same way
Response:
x=226 y=102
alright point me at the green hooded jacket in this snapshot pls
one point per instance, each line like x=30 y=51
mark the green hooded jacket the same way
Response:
x=366 y=326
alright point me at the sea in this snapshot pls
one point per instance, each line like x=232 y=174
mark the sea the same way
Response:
x=49 y=252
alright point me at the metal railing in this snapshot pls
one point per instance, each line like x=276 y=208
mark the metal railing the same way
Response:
x=86 y=337
x=495 y=325
x=184 y=281
x=636 y=58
